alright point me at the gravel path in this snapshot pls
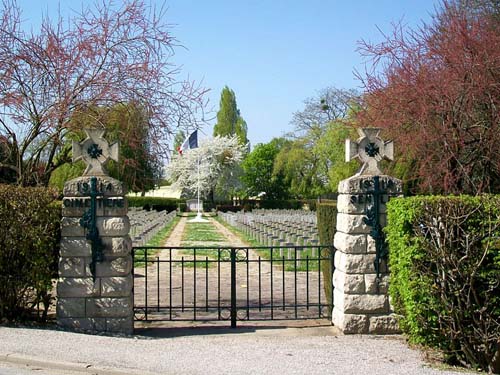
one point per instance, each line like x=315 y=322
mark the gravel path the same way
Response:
x=315 y=350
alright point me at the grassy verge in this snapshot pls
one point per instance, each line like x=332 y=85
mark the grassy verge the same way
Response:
x=157 y=240
x=199 y=236
x=202 y=232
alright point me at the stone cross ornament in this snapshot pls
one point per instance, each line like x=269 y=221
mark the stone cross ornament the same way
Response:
x=95 y=151
x=370 y=150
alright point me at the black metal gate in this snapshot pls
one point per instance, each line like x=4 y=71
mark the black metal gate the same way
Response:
x=236 y=283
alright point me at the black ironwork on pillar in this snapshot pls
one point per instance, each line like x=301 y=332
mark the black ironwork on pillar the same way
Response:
x=372 y=219
x=89 y=222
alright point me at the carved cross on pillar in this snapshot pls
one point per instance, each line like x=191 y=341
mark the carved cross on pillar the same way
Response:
x=95 y=151
x=370 y=150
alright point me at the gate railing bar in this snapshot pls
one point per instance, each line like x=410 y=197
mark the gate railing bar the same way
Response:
x=157 y=283
x=206 y=283
x=182 y=285
x=283 y=278
x=194 y=284
x=247 y=256
x=170 y=284
x=272 y=286
x=295 y=280
x=233 y=288
x=146 y=282
x=307 y=281
x=319 y=289
x=218 y=283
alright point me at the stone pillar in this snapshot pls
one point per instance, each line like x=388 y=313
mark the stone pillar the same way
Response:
x=361 y=301
x=95 y=293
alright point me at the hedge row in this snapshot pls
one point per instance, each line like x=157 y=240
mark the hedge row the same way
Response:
x=445 y=275
x=29 y=250
x=155 y=203
x=326 y=214
x=169 y=204
x=250 y=204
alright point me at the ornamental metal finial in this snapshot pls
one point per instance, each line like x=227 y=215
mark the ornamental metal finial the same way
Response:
x=370 y=150
x=95 y=151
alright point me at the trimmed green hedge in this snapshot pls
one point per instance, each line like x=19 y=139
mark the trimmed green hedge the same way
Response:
x=228 y=207
x=326 y=214
x=445 y=275
x=155 y=203
x=290 y=204
x=29 y=250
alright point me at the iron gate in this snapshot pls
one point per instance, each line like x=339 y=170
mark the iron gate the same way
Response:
x=232 y=283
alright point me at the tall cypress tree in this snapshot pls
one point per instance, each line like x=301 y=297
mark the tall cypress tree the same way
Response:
x=229 y=120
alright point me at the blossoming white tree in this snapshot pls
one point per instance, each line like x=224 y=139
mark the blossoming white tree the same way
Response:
x=203 y=166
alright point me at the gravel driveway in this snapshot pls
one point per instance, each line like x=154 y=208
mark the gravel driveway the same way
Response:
x=210 y=350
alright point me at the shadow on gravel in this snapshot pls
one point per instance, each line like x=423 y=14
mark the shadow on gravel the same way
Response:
x=152 y=330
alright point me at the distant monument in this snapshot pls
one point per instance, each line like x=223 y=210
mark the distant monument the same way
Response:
x=94 y=290
x=360 y=280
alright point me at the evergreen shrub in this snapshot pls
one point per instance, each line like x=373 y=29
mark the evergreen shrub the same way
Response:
x=29 y=250
x=326 y=214
x=290 y=204
x=445 y=275
x=228 y=207
x=155 y=203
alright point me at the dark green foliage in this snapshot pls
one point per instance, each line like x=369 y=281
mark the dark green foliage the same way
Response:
x=229 y=120
x=250 y=204
x=155 y=203
x=208 y=206
x=228 y=207
x=29 y=240
x=445 y=275
x=290 y=204
x=327 y=223
x=311 y=203
x=7 y=173
x=258 y=171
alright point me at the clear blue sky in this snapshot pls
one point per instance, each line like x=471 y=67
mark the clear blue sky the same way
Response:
x=273 y=54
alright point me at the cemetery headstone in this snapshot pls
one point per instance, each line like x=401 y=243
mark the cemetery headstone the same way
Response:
x=94 y=290
x=360 y=280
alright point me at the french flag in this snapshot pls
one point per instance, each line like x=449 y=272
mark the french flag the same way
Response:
x=190 y=142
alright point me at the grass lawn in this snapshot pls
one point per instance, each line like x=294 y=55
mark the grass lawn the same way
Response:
x=198 y=236
x=202 y=232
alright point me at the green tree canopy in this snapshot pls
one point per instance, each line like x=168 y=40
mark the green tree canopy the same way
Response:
x=313 y=161
x=258 y=171
x=229 y=120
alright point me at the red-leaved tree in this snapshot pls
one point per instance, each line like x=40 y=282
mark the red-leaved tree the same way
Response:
x=436 y=91
x=104 y=55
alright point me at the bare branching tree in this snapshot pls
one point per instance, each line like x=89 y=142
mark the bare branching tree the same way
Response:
x=99 y=57
x=330 y=104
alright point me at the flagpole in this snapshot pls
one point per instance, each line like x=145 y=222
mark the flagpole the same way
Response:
x=198 y=215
